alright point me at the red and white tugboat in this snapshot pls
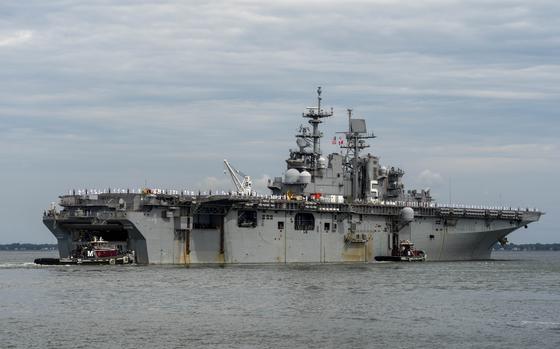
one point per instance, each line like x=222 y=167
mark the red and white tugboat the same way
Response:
x=97 y=251
x=406 y=253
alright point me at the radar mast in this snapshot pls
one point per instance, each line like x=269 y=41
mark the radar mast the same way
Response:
x=355 y=142
x=315 y=114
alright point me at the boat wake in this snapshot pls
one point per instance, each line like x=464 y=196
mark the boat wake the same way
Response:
x=20 y=265
x=548 y=325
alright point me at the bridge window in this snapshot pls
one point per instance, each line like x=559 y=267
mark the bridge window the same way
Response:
x=247 y=219
x=304 y=221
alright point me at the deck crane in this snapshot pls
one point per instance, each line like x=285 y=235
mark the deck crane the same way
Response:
x=243 y=187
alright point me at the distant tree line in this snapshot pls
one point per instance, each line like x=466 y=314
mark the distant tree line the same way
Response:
x=27 y=247
x=528 y=247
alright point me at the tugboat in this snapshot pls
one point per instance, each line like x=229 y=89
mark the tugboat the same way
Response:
x=96 y=251
x=406 y=253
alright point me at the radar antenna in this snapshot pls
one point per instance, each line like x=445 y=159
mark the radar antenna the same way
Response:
x=315 y=114
x=355 y=142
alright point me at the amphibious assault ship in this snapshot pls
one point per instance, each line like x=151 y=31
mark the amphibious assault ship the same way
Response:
x=343 y=207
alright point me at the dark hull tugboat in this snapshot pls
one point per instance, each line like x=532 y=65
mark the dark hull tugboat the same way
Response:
x=406 y=253
x=97 y=251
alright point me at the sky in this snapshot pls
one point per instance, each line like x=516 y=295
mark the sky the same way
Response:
x=462 y=95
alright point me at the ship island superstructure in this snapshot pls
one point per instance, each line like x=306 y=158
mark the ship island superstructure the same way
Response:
x=343 y=207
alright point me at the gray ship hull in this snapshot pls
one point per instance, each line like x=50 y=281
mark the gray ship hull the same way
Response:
x=207 y=230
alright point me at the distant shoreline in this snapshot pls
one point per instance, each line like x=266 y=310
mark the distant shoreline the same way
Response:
x=527 y=247
x=28 y=247
x=508 y=247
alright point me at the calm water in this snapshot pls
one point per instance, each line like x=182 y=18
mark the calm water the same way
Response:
x=511 y=302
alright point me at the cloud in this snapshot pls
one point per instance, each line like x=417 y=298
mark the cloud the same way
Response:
x=216 y=184
x=260 y=185
x=429 y=178
x=15 y=38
